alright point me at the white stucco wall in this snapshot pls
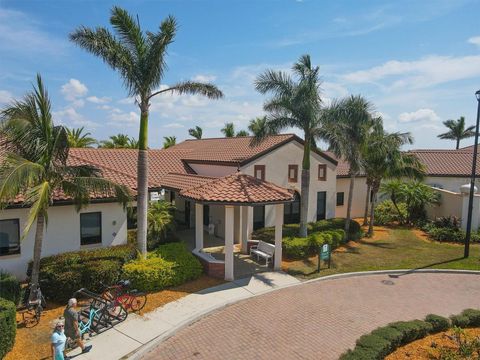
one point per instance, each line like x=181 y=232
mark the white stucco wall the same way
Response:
x=63 y=233
x=213 y=170
x=276 y=170
x=450 y=205
x=359 y=196
x=449 y=183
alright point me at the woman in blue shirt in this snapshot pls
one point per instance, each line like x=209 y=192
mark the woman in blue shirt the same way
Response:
x=58 y=340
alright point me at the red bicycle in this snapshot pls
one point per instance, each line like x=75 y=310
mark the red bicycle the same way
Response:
x=120 y=293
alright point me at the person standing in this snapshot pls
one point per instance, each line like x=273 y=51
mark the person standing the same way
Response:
x=58 y=340
x=72 y=329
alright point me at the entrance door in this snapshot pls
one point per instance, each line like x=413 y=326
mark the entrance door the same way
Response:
x=321 y=205
x=187 y=214
x=258 y=217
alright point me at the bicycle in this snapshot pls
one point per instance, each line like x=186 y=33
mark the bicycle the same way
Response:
x=31 y=307
x=120 y=293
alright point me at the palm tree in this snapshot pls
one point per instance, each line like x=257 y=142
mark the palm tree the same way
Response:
x=346 y=125
x=295 y=103
x=382 y=158
x=35 y=166
x=228 y=130
x=169 y=141
x=242 y=133
x=258 y=127
x=457 y=131
x=393 y=190
x=119 y=141
x=78 y=139
x=160 y=219
x=140 y=59
x=196 y=132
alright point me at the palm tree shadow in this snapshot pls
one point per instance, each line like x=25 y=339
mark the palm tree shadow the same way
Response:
x=412 y=271
x=379 y=244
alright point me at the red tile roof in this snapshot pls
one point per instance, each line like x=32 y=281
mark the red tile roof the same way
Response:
x=447 y=162
x=238 y=188
x=178 y=182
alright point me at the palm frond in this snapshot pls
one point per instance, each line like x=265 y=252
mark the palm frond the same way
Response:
x=129 y=31
x=276 y=82
x=193 y=88
x=39 y=198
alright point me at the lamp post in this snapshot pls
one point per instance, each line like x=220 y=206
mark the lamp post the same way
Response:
x=466 y=252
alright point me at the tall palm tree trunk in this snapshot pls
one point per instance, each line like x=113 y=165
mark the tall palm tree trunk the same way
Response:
x=365 y=213
x=372 y=211
x=37 y=251
x=349 y=205
x=458 y=143
x=142 y=183
x=305 y=189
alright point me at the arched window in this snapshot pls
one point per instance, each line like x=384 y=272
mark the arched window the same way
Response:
x=291 y=211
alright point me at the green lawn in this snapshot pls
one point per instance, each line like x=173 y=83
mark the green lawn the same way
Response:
x=390 y=249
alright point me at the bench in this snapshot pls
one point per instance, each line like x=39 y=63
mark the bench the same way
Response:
x=264 y=250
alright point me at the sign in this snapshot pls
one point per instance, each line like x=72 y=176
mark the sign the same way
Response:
x=324 y=253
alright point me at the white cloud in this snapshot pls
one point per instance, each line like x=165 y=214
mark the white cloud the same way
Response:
x=70 y=117
x=426 y=72
x=418 y=116
x=204 y=78
x=127 y=101
x=174 y=126
x=120 y=119
x=97 y=100
x=73 y=90
x=475 y=40
x=5 y=96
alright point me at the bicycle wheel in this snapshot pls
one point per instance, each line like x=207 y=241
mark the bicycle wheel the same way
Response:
x=30 y=318
x=138 y=301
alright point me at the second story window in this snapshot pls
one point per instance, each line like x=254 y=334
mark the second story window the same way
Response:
x=259 y=171
x=322 y=172
x=292 y=173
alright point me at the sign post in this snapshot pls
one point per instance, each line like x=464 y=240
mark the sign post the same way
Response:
x=324 y=253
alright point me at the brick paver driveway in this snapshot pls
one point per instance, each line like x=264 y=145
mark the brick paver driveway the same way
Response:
x=318 y=320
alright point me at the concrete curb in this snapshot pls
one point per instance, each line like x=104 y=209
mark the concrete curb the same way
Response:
x=140 y=351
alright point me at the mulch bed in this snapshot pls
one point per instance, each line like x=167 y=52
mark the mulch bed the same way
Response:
x=34 y=343
x=427 y=348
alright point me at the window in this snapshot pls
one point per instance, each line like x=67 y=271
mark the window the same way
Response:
x=132 y=217
x=322 y=172
x=9 y=237
x=206 y=215
x=292 y=173
x=259 y=171
x=90 y=228
x=340 y=198
x=291 y=211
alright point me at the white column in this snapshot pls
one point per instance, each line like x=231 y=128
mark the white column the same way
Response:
x=228 y=243
x=198 y=226
x=278 y=236
x=245 y=229
x=475 y=211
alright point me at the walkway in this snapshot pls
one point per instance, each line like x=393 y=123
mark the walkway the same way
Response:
x=136 y=331
x=320 y=319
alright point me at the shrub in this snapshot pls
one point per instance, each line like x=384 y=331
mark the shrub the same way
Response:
x=8 y=326
x=446 y=234
x=439 y=323
x=355 y=230
x=9 y=287
x=460 y=320
x=381 y=347
x=412 y=330
x=473 y=317
x=386 y=213
x=296 y=248
x=450 y=222
x=391 y=334
x=359 y=354
x=169 y=265
x=66 y=273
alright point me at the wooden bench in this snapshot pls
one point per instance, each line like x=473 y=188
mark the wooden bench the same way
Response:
x=264 y=250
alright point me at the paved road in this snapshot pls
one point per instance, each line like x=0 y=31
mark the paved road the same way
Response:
x=318 y=320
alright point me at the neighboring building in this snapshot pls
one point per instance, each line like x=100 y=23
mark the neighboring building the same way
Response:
x=277 y=159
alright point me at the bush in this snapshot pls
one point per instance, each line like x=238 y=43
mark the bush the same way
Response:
x=359 y=354
x=391 y=334
x=8 y=326
x=446 y=234
x=460 y=321
x=386 y=213
x=473 y=317
x=412 y=330
x=296 y=248
x=66 y=273
x=355 y=230
x=9 y=287
x=169 y=265
x=381 y=347
x=450 y=222
x=439 y=323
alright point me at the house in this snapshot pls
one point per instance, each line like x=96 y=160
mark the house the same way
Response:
x=218 y=166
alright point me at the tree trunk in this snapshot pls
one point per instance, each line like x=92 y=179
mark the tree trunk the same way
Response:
x=394 y=201
x=349 y=206
x=305 y=187
x=367 y=198
x=458 y=144
x=372 y=212
x=37 y=253
x=142 y=183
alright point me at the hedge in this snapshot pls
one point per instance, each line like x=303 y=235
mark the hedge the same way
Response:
x=66 y=273
x=8 y=326
x=385 y=340
x=9 y=287
x=299 y=248
x=169 y=265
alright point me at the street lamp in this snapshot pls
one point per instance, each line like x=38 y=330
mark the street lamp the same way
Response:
x=466 y=252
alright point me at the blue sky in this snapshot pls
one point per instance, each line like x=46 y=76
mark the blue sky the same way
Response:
x=418 y=62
